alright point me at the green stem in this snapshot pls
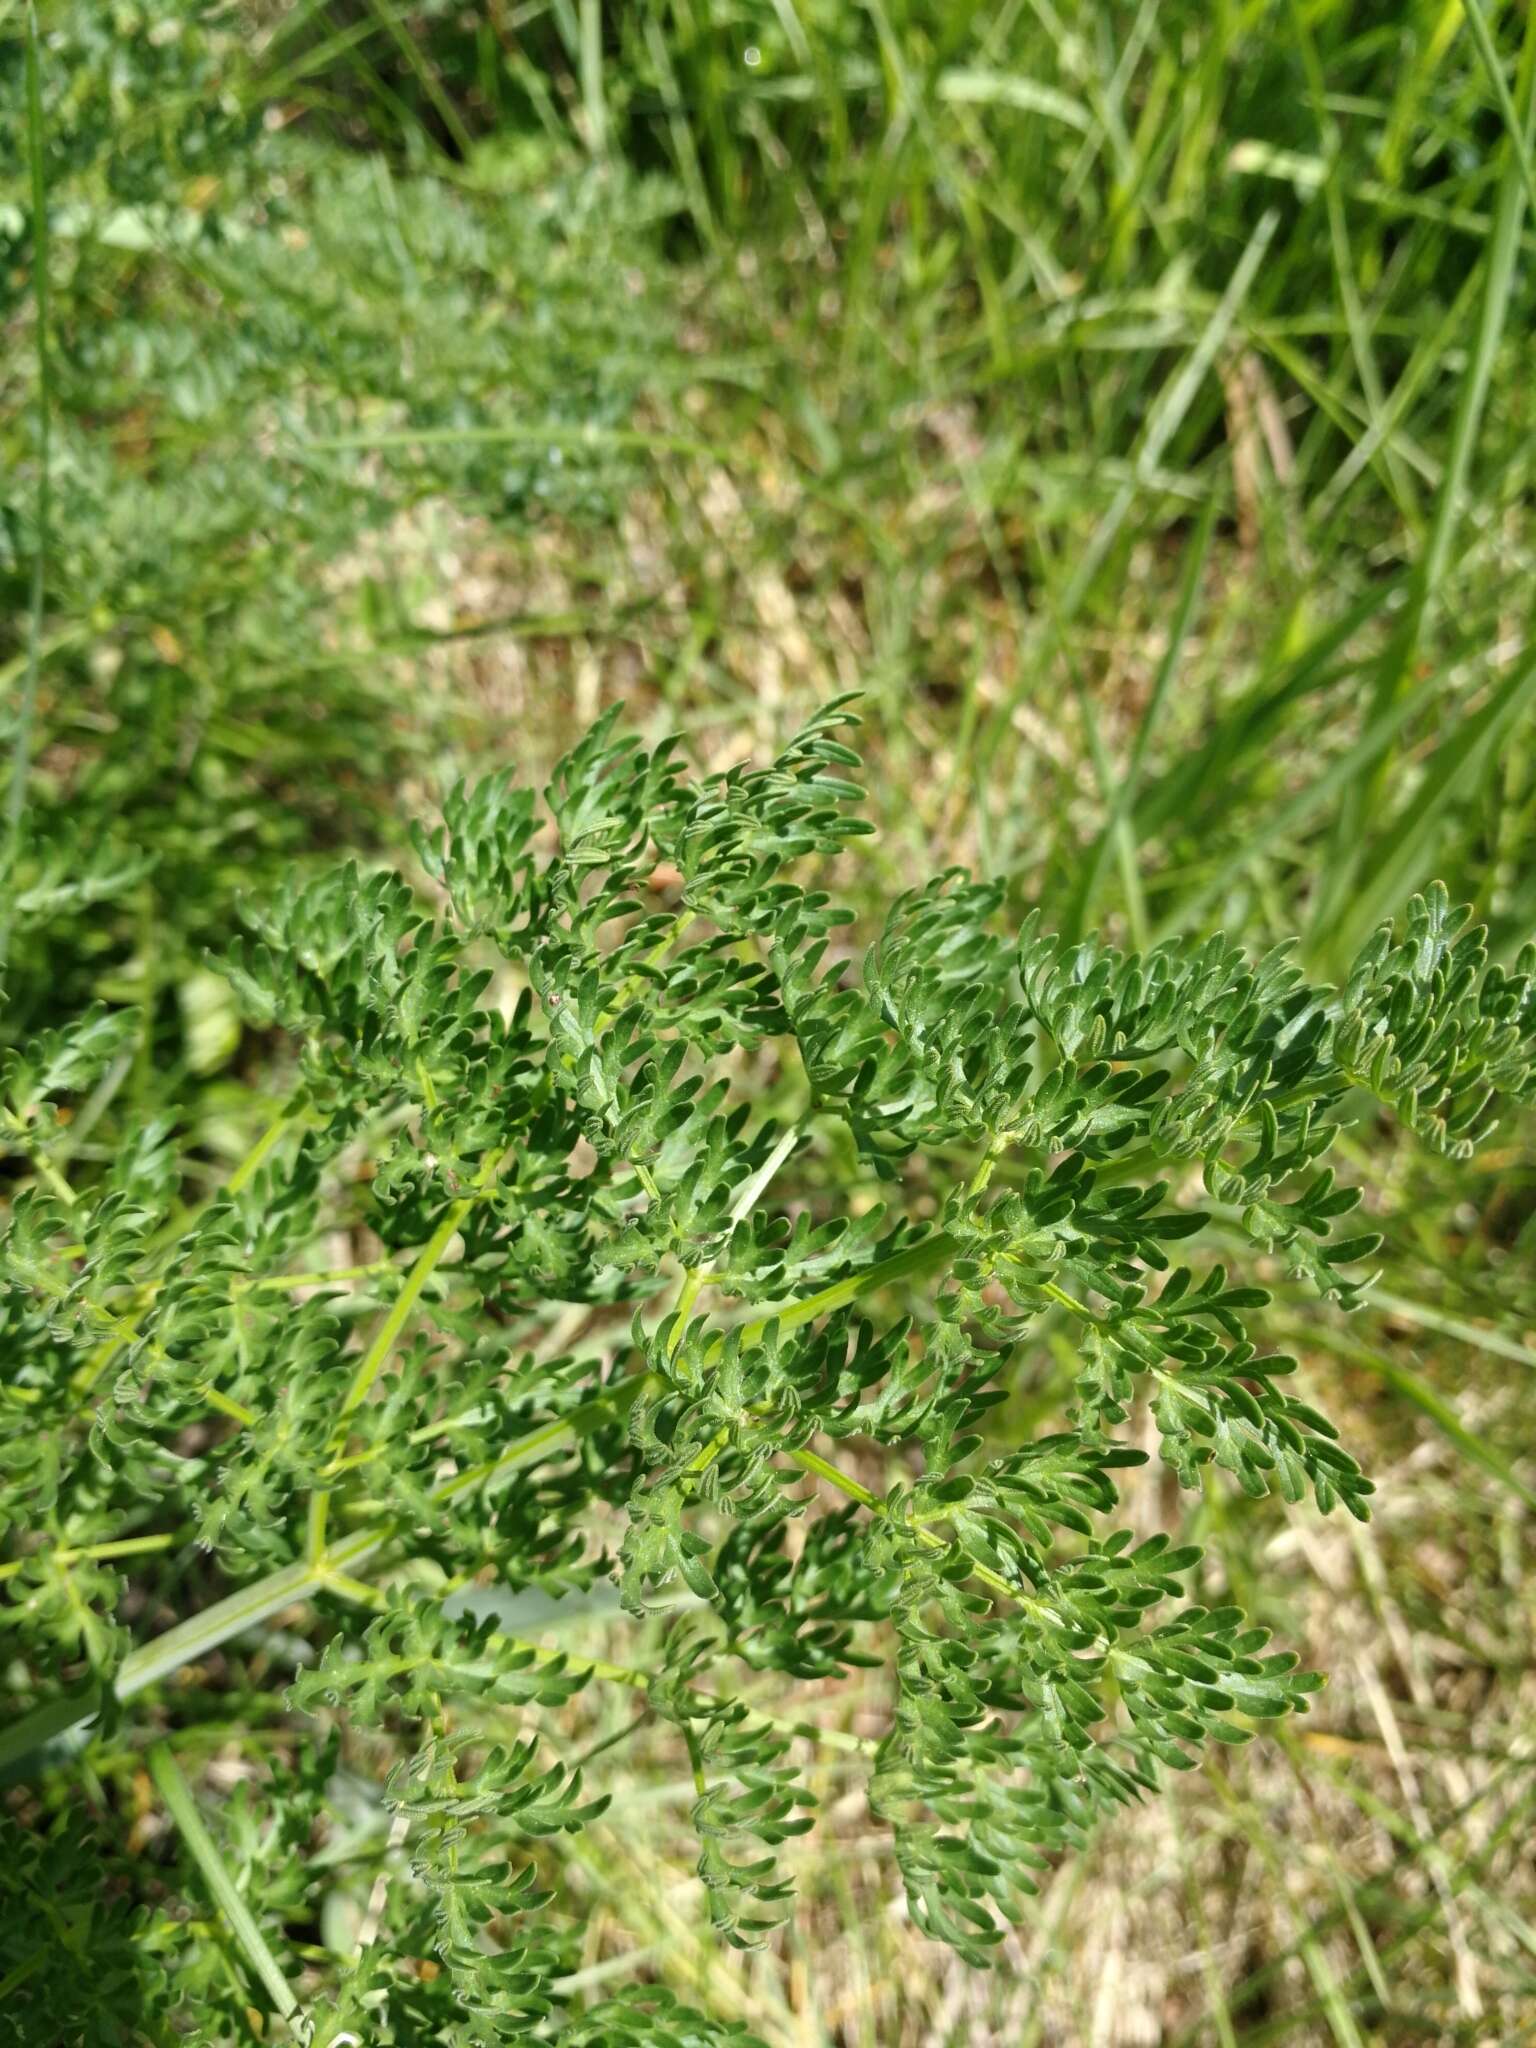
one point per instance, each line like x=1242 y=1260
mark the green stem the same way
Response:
x=320 y=1276
x=119 y=1546
x=46 y=1171
x=23 y=1970
x=985 y=1168
x=220 y=1403
x=252 y=1163
x=1067 y=1301
x=695 y=1762
x=653 y=958
x=319 y=1510
x=612 y=1405
x=687 y=1295
x=208 y=1631
x=427 y=1260
x=919 y=1259
x=822 y=1468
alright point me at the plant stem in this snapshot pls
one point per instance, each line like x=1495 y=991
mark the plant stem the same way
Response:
x=985 y=1168
x=427 y=1260
x=319 y=1509
x=320 y=1276
x=221 y=1403
x=253 y=1161
x=917 y=1260
x=1067 y=1301
x=695 y=1762
x=687 y=1295
x=822 y=1468
x=653 y=958
x=38 y=1159
x=120 y=1546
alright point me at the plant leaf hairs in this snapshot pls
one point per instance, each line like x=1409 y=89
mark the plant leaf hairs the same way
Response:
x=554 y=1120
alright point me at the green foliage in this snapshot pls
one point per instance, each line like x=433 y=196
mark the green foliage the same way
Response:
x=265 y=351
x=1135 y=404
x=543 y=1081
x=79 y=1959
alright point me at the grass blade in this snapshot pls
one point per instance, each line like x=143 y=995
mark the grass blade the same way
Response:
x=1398 y=658
x=177 y=1794
x=1117 y=829
x=1195 y=904
x=42 y=1726
x=1519 y=140
x=593 y=103
x=1256 y=720
x=1451 y=1326
x=1404 y=855
x=425 y=76
x=1476 y=1449
x=1172 y=404
x=1005 y=89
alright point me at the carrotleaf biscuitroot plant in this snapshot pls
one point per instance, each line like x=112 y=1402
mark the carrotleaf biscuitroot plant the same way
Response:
x=622 y=1221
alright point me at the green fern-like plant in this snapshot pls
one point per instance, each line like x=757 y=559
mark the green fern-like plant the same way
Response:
x=615 y=1067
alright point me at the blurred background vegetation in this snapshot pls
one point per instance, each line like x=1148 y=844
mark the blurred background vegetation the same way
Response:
x=1134 y=402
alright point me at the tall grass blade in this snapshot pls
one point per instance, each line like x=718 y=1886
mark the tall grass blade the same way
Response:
x=1432 y=1406
x=1117 y=831
x=1425 y=587
x=1404 y=854
x=181 y=1806
x=1169 y=411
x=1519 y=139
